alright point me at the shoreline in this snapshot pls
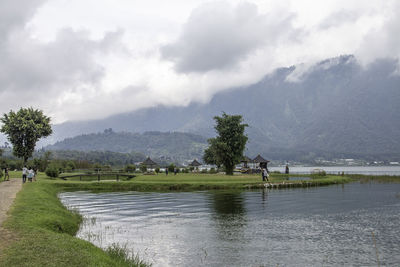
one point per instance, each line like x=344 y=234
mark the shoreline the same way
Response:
x=42 y=223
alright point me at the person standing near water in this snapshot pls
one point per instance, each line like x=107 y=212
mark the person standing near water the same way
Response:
x=166 y=170
x=6 y=175
x=262 y=175
x=287 y=169
x=266 y=175
x=24 y=173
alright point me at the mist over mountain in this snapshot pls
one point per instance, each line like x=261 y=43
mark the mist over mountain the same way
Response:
x=335 y=109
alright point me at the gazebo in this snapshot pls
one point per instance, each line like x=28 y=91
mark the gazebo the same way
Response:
x=149 y=163
x=262 y=163
x=195 y=163
x=245 y=160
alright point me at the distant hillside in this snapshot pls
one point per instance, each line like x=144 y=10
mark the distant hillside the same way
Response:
x=336 y=109
x=165 y=146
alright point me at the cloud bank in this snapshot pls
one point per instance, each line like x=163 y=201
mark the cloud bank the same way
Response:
x=88 y=59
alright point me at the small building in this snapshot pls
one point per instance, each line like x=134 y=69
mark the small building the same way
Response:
x=149 y=163
x=195 y=164
x=245 y=161
x=260 y=162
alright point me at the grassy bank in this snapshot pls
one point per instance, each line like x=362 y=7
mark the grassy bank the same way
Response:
x=45 y=232
x=192 y=182
x=45 y=229
x=375 y=178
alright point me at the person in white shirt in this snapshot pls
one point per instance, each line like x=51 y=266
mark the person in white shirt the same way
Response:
x=266 y=175
x=30 y=174
x=24 y=173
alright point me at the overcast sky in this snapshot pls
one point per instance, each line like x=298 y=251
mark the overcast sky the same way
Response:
x=87 y=59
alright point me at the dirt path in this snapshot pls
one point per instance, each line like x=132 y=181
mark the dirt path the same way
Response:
x=8 y=191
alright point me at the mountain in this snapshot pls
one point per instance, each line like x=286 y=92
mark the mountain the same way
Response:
x=337 y=108
x=165 y=146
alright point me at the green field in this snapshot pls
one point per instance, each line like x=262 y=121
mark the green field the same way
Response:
x=44 y=230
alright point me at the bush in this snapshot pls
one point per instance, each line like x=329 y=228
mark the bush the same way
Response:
x=143 y=168
x=52 y=171
x=157 y=170
x=130 y=168
x=97 y=167
x=204 y=171
x=213 y=171
x=71 y=165
x=318 y=172
x=171 y=167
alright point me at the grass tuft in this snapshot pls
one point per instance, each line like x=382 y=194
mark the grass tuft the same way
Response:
x=121 y=256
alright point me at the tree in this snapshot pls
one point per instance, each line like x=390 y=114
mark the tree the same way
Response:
x=24 y=128
x=227 y=148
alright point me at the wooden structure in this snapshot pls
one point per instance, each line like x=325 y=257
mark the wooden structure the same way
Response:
x=245 y=160
x=262 y=163
x=195 y=163
x=149 y=163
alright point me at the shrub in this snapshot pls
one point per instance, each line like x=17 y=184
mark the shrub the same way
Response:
x=213 y=170
x=97 y=167
x=130 y=168
x=70 y=165
x=204 y=171
x=143 y=168
x=318 y=172
x=157 y=170
x=52 y=171
x=171 y=167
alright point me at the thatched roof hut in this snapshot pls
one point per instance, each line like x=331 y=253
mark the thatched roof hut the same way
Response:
x=195 y=163
x=149 y=163
x=261 y=161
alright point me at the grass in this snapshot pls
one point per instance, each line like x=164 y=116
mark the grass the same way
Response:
x=375 y=178
x=194 y=181
x=45 y=230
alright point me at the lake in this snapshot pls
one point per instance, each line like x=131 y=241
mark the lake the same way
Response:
x=351 y=224
x=367 y=170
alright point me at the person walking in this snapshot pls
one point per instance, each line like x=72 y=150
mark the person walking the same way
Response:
x=266 y=175
x=287 y=169
x=35 y=170
x=24 y=174
x=262 y=175
x=6 y=175
x=30 y=174
x=166 y=170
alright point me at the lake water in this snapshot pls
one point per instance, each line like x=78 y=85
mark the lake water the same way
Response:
x=367 y=170
x=344 y=225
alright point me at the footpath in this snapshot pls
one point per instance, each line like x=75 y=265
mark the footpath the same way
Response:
x=8 y=191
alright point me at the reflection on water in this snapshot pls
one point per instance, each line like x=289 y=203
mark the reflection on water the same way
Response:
x=228 y=213
x=295 y=227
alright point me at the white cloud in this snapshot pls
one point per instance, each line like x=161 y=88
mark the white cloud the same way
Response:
x=218 y=35
x=90 y=59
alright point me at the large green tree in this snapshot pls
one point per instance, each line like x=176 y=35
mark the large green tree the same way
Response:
x=227 y=147
x=24 y=128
